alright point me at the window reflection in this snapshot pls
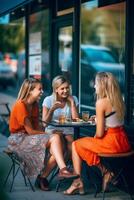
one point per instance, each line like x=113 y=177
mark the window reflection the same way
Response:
x=65 y=51
x=102 y=46
x=39 y=28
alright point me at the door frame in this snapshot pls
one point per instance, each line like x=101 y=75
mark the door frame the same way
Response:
x=59 y=22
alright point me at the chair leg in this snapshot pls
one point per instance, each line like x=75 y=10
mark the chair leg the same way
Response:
x=15 y=167
x=24 y=177
x=91 y=179
x=103 y=197
x=96 y=190
x=30 y=184
x=14 y=175
x=126 y=186
x=54 y=173
x=5 y=182
x=58 y=185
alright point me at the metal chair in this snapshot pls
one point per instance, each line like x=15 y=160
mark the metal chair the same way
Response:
x=14 y=169
x=117 y=163
x=4 y=118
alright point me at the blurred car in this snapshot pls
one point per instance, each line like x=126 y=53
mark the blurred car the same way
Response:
x=1 y=56
x=21 y=67
x=11 y=59
x=94 y=59
x=7 y=77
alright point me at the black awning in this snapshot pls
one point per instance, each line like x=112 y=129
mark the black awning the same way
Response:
x=7 y=6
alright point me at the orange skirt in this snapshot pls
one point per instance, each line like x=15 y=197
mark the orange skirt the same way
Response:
x=114 y=141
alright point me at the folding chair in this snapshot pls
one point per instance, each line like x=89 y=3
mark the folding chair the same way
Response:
x=117 y=163
x=4 y=117
x=15 y=168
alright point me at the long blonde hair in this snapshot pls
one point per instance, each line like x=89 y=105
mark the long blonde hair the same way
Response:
x=27 y=86
x=109 y=87
x=57 y=82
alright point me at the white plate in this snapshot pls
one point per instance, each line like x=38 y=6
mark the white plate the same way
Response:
x=76 y=122
x=56 y=120
x=71 y=122
x=81 y=122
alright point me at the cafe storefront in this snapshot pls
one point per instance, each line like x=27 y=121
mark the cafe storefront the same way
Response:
x=78 y=39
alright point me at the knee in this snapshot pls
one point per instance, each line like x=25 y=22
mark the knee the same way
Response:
x=56 y=137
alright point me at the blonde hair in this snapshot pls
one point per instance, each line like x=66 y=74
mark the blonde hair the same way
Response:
x=57 y=82
x=109 y=87
x=27 y=86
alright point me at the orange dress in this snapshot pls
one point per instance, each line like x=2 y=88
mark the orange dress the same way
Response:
x=18 y=115
x=114 y=141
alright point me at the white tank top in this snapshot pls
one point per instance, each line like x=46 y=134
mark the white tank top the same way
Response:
x=111 y=120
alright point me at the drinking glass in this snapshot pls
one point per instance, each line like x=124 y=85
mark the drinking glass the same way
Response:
x=62 y=119
x=85 y=115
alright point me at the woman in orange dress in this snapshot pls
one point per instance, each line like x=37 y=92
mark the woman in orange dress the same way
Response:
x=110 y=136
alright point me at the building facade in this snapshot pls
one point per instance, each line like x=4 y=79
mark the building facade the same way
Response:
x=78 y=38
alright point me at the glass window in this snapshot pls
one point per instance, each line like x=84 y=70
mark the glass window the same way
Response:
x=65 y=52
x=12 y=45
x=102 y=46
x=39 y=48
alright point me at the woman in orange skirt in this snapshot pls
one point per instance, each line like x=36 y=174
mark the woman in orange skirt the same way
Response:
x=110 y=136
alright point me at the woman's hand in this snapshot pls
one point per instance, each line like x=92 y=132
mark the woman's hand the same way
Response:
x=56 y=131
x=93 y=118
x=57 y=104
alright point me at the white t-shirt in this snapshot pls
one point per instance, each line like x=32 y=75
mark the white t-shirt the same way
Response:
x=48 y=102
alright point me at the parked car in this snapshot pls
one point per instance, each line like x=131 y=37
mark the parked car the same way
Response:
x=21 y=67
x=11 y=59
x=94 y=59
x=7 y=77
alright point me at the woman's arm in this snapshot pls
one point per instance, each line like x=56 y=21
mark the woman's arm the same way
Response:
x=74 y=109
x=29 y=128
x=48 y=113
x=100 y=120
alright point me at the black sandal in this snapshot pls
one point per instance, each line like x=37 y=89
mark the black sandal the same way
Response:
x=42 y=183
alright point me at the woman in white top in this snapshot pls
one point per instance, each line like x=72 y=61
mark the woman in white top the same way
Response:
x=60 y=102
x=110 y=136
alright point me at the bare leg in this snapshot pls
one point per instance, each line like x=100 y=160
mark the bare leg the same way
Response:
x=107 y=176
x=50 y=165
x=69 y=139
x=57 y=150
x=52 y=162
x=77 y=185
x=68 y=153
x=77 y=162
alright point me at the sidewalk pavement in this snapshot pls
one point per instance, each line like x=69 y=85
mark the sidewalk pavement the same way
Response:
x=7 y=99
x=21 y=192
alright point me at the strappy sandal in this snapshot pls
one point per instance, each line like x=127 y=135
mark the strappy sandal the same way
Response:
x=64 y=173
x=108 y=177
x=75 y=188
